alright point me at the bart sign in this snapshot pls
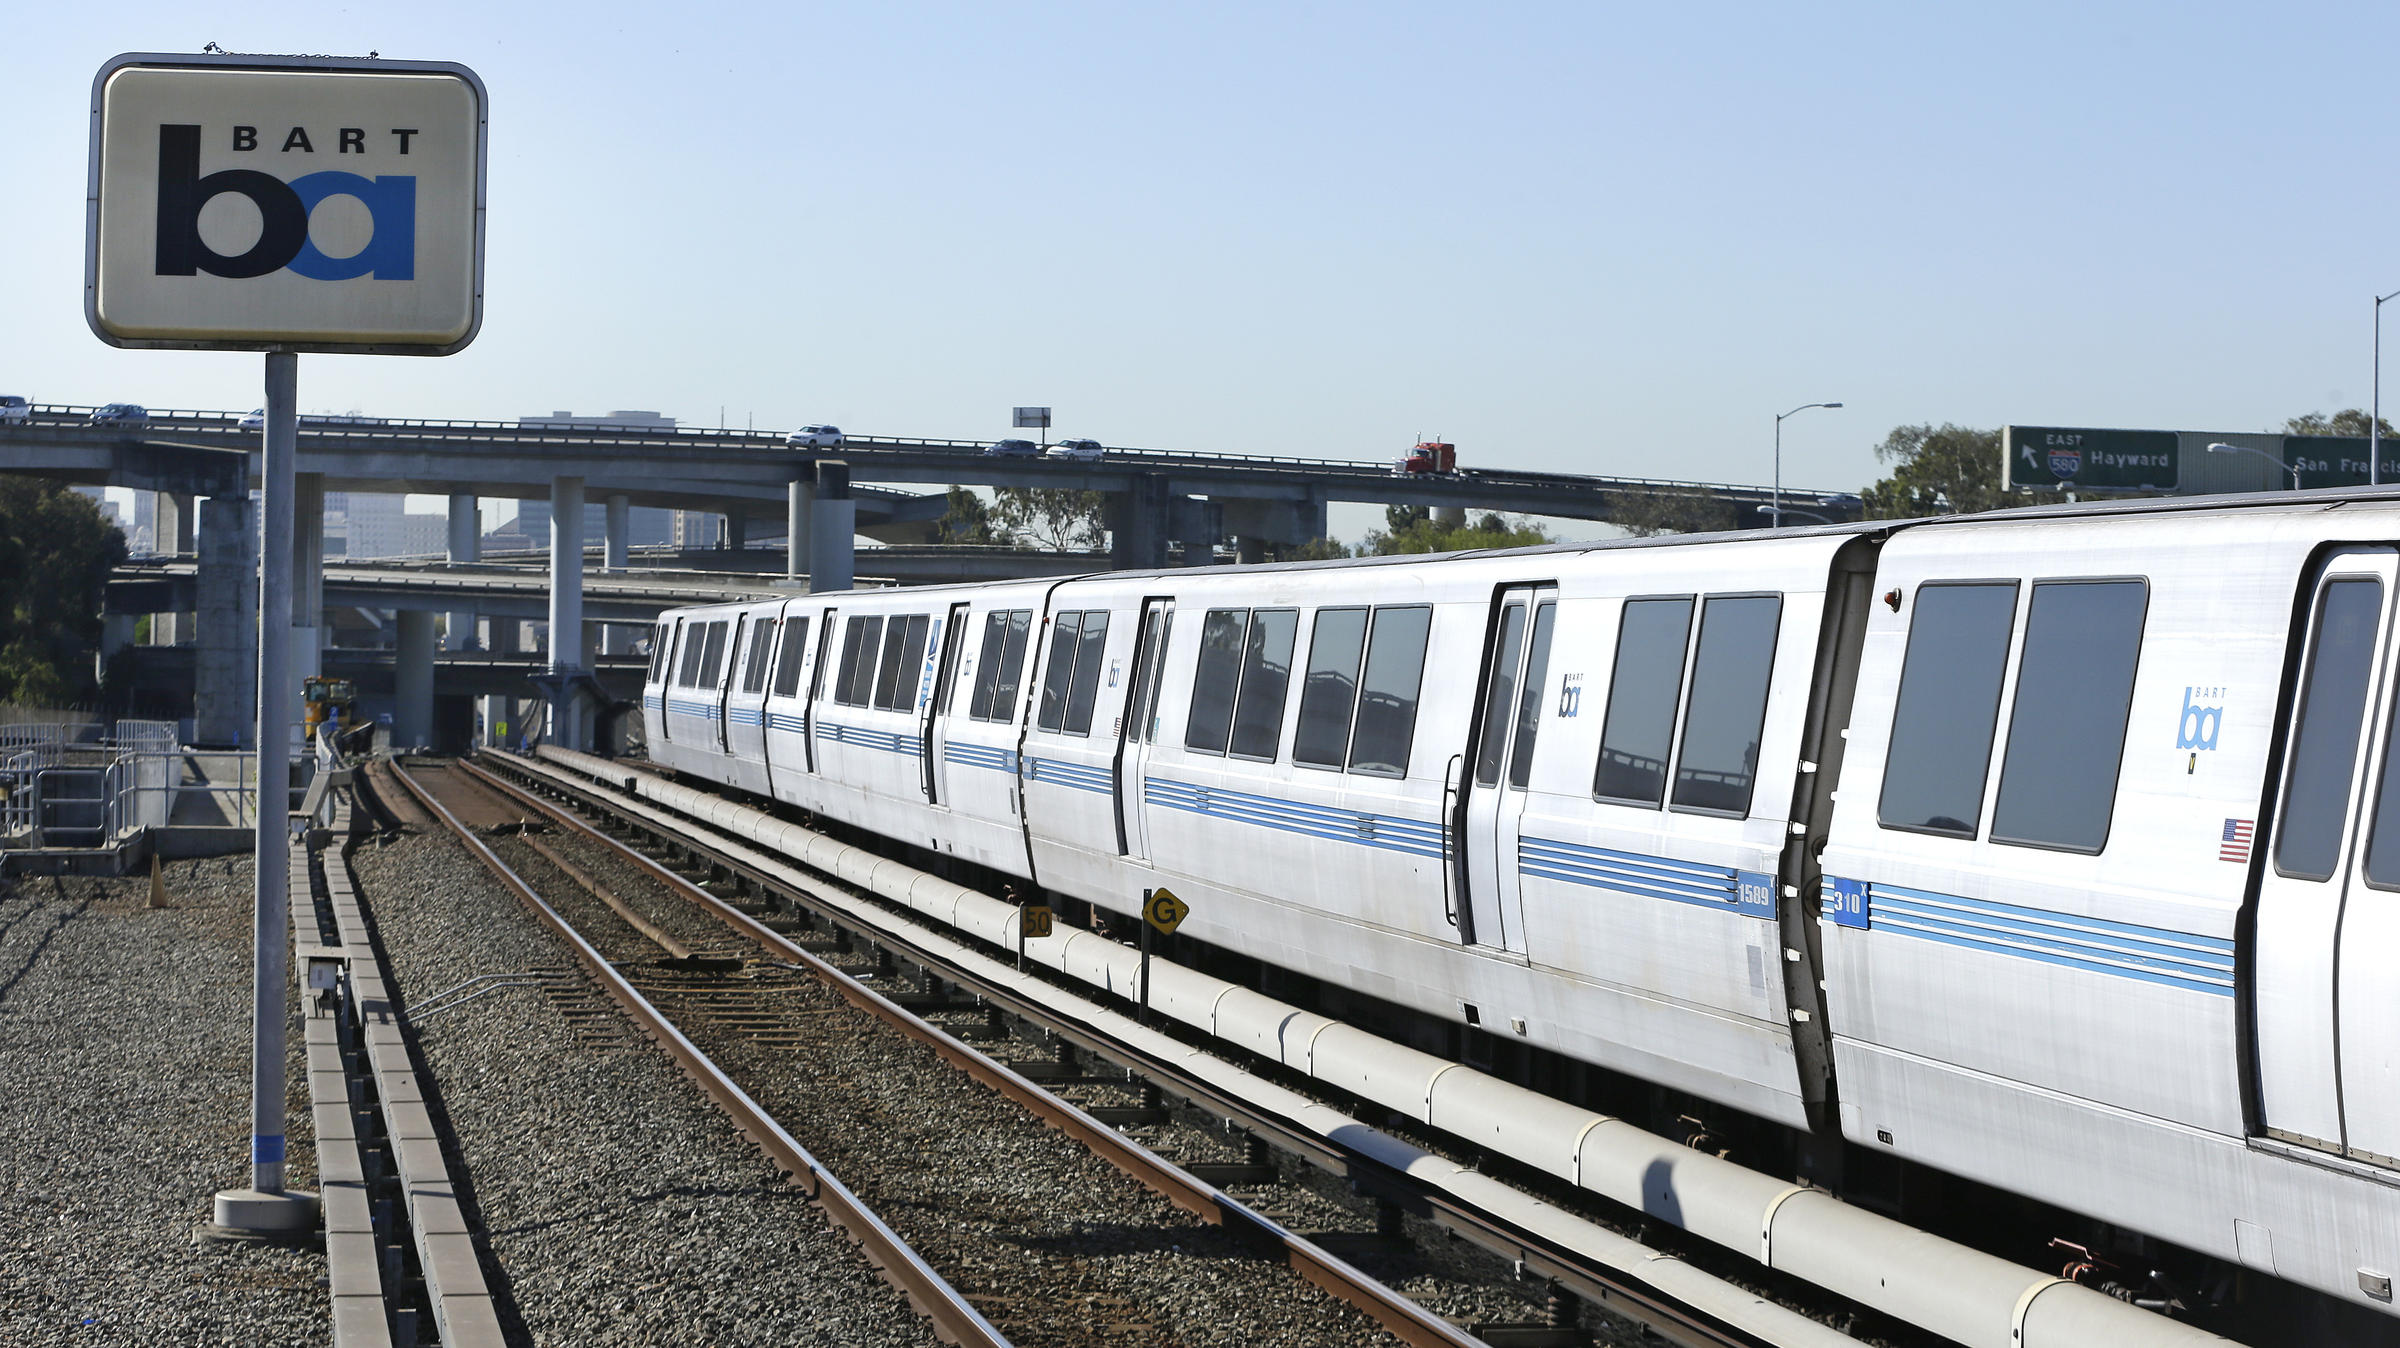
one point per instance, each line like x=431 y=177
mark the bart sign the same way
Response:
x=298 y=204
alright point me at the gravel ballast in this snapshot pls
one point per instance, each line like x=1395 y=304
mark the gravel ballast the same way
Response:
x=125 y=1106
x=620 y=1205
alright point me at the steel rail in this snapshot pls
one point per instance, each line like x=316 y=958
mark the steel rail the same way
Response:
x=953 y=1317
x=1403 y=1318
x=1660 y=1311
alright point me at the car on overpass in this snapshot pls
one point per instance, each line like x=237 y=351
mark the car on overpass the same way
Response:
x=256 y=421
x=815 y=437
x=1082 y=451
x=1013 y=449
x=14 y=408
x=121 y=414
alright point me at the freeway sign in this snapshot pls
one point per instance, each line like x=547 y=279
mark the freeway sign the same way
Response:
x=2337 y=461
x=2088 y=460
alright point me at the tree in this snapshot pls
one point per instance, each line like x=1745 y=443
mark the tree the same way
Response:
x=1421 y=534
x=969 y=520
x=2350 y=421
x=56 y=551
x=1937 y=470
x=1648 y=511
x=1051 y=518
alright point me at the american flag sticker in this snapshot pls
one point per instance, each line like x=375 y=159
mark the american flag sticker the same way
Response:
x=2236 y=844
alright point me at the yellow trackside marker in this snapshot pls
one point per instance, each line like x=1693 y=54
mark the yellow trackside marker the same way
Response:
x=1164 y=911
x=1033 y=922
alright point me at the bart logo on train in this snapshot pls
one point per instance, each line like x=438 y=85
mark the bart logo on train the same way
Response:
x=286 y=210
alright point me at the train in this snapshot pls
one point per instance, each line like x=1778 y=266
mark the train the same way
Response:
x=2053 y=849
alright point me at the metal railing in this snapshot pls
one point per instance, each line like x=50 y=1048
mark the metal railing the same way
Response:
x=60 y=792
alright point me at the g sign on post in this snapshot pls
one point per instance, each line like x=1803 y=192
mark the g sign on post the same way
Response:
x=285 y=204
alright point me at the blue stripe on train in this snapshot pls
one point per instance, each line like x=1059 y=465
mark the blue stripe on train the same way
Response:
x=1653 y=877
x=1389 y=832
x=2178 y=959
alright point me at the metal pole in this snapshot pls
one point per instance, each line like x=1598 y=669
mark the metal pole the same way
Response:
x=2375 y=404
x=1776 y=513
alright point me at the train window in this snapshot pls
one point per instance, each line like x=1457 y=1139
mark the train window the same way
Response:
x=762 y=656
x=2316 y=798
x=695 y=640
x=2066 y=735
x=1717 y=764
x=2383 y=839
x=1012 y=666
x=1387 y=695
x=713 y=663
x=1499 y=693
x=1941 y=749
x=1059 y=675
x=1644 y=686
x=1158 y=631
x=1266 y=679
x=858 y=662
x=897 y=689
x=1329 y=690
x=658 y=647
x=788 y=666
x=1215 y=678
x=1529 y=699
x=1091 y=647
x=987 y=666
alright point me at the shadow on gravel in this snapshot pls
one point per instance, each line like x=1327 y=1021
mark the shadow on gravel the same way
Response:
x=73 y=913
x=1109 y=1239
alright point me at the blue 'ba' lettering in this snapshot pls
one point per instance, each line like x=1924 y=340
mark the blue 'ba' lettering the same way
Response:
x=285 y=211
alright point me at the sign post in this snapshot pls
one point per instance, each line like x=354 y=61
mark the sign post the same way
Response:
x=201 y=233
x=1034 y=418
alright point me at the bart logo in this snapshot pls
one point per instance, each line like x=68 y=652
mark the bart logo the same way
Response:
x=2200 y=724
x=284 y=210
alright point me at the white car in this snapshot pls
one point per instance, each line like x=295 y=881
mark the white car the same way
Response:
x=256 y=421
x=1085 y=451
x=815 y=437
x=14 y=408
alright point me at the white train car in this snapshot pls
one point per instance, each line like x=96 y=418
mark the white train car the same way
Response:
x=2042 y=848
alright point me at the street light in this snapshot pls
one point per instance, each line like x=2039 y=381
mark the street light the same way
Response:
x=2375 y=401
x=1777 y=512
x=2221 y=448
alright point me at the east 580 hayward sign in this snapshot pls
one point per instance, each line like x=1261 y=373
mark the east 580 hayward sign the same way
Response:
x=304 y=204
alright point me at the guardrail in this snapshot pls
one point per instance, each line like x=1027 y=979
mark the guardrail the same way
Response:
x=138 y=778
x=1116 y=456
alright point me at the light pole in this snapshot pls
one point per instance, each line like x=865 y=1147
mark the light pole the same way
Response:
x=1777 y=514
x=2375 y=401
x=1777 y=510
x=2222 y=448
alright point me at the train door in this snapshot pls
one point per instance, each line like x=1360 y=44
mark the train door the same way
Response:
x=723 y=692
x=935 y=726
x=666 y=690
x=816 y=688
x=1138 y=727
x=2327 y=1001
x=1517 y=662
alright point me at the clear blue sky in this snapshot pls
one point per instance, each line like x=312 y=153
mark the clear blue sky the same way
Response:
x=1585 y=237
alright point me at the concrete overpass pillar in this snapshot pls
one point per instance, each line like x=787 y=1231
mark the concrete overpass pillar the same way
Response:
x=1249 y=549
x=566 y=604
x=737 y=530
x=833 y=530
x=799 y=507
x=1449 y=517
x=412 y=681
x=176 y=523
x=308 y=577
x=225 y=661
x=466 y=545
x=1137 y=525
x=615 y=540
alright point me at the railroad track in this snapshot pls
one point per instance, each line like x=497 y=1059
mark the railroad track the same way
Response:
x=1395 y=1218
x=775 y=1027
